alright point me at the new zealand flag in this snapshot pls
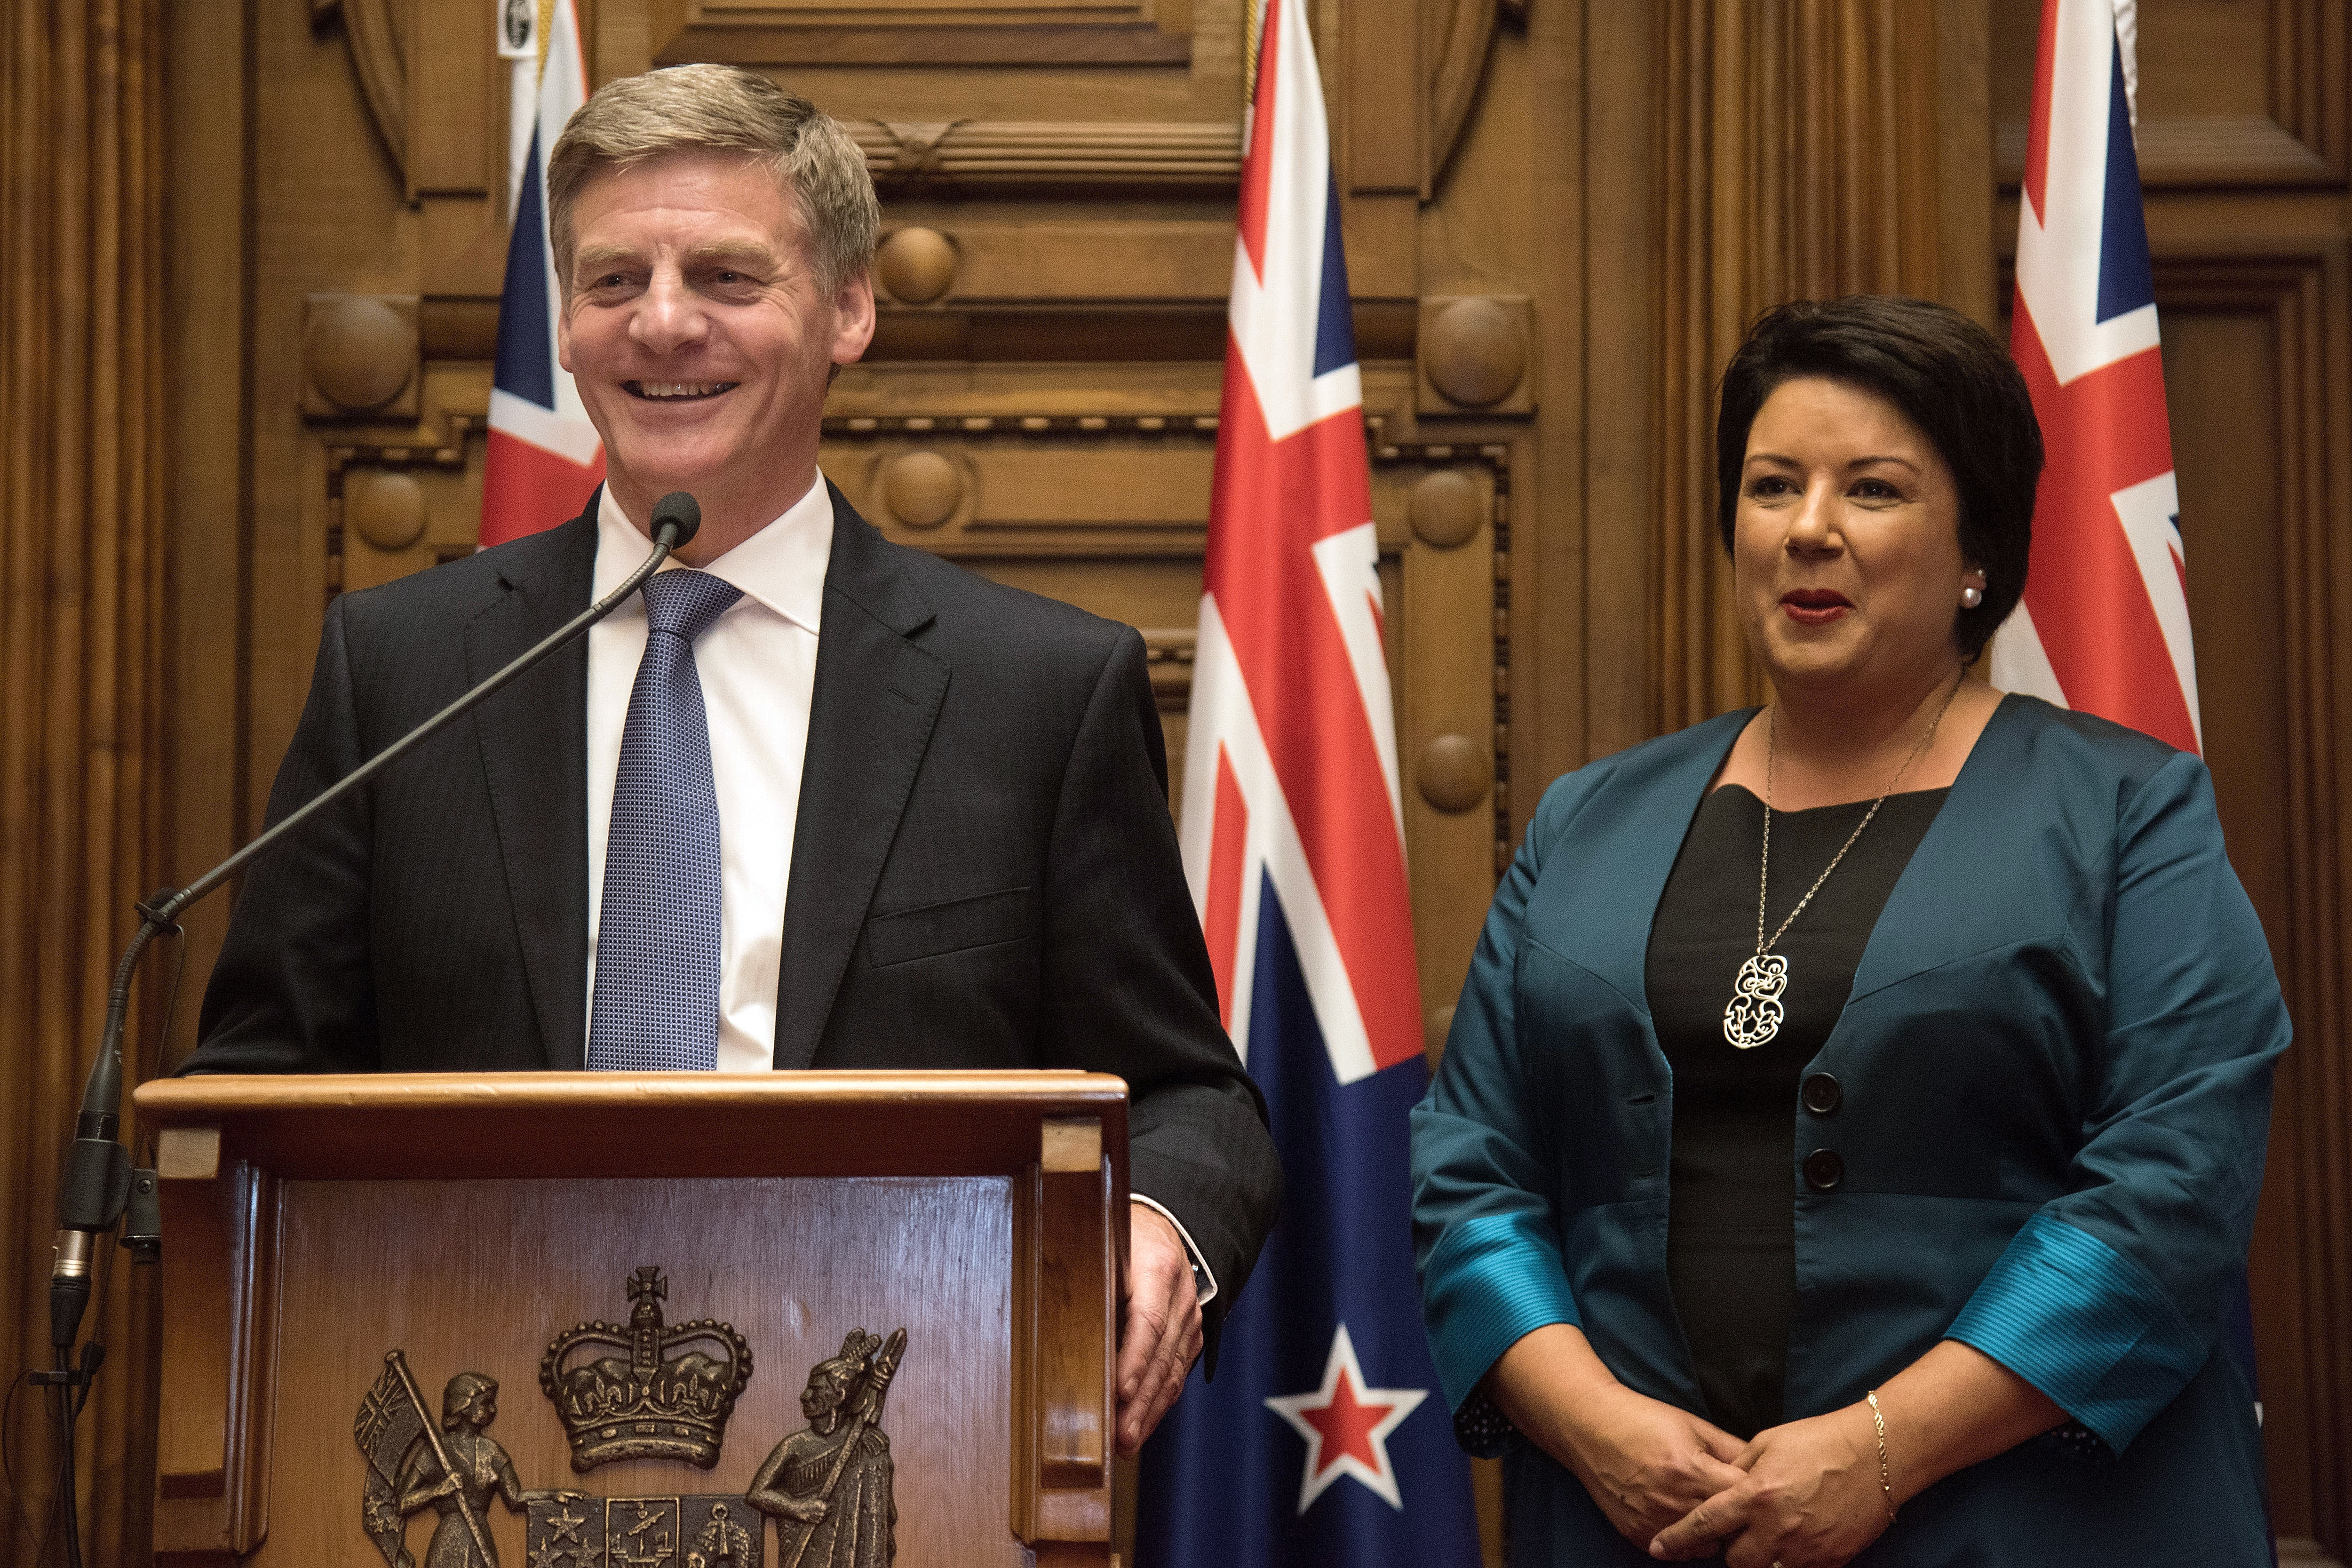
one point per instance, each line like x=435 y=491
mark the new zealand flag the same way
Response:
x=1318 y=1442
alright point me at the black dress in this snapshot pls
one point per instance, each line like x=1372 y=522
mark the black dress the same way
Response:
x=1731 y=1228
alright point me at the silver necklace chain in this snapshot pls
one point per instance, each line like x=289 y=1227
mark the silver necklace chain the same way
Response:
x=1753 y=1016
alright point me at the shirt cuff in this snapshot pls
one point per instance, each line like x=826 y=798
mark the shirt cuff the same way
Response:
x=1204 y=1281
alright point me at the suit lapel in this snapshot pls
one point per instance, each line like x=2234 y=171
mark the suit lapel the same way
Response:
x=874 y=701
x=534 y=744
x=1950 y=901
x=1615 y=863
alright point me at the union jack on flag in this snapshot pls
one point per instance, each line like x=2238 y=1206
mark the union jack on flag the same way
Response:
x=1317 y=1442
x=544 y=457
x=2104 y=625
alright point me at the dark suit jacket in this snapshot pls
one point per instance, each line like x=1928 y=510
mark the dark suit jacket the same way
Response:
x=983 y=872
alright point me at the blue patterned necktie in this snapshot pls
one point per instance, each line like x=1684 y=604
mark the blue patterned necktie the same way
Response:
x=656 y=1004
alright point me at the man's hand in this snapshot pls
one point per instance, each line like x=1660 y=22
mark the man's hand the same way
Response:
x=1162 y=1335
x=1810 y=1499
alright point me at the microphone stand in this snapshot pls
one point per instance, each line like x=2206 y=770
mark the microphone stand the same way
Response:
x=99 y=1185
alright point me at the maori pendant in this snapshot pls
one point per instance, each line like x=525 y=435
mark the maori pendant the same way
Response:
x=1753 y=1016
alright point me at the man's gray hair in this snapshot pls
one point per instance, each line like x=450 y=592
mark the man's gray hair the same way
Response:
x=715 y=108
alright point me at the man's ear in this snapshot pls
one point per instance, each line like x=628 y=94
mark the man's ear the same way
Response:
x=563 y=329
x=852 y=308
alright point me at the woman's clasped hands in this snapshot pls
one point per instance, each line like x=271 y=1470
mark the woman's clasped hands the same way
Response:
x=1808 y=1496
x=1646 y=1463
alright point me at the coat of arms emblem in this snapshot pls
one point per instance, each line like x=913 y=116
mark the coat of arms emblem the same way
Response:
x=655 y=1392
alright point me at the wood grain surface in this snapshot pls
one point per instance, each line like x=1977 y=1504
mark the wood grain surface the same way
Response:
x=477 y=1276
x=84 y=497
x=631 y=1124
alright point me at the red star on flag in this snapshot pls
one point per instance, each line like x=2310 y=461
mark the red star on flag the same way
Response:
x=1347 y=1426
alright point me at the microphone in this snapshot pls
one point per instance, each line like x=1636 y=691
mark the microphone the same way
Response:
x=98 y=1182
x=677 y=518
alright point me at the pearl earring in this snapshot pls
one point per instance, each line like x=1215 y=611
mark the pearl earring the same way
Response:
x=1971 y=597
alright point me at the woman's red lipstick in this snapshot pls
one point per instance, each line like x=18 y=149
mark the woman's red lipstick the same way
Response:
x=1814 y=606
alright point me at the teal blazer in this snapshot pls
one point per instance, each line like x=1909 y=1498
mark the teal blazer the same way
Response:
x=2056 y=1065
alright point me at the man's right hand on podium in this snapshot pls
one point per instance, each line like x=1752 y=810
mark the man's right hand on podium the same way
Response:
x=1160 y=1337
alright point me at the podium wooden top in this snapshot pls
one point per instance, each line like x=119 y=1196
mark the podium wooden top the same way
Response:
x=453 y=1126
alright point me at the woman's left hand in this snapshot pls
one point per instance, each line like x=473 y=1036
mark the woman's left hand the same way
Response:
x=1812 y=1500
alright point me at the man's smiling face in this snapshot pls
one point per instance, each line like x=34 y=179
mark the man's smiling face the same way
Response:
x=701 y=333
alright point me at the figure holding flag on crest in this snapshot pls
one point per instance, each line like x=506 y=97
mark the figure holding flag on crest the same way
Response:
x=1317 y=1443
x=454 y=1471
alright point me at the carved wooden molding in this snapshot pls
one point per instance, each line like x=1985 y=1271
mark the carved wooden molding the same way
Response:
x=791 y=33
x=2175 y=154
x=448 y=454
x=1169 y=650
x=972 y=154
x=848 y=426
x=1495 y=458
x=2301 y=140
x=1454 y=85
x=378 y=33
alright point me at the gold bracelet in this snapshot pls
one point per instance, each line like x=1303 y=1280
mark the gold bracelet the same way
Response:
x=1885 y=1485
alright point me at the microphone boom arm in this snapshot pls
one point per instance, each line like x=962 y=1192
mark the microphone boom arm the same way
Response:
x=96 y=1181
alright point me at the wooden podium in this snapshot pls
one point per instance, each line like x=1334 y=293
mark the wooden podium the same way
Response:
x=313 y=1226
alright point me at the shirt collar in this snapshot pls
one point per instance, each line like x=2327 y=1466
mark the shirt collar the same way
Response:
x=782 y=566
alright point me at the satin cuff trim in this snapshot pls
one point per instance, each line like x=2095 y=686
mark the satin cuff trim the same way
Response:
x=1489 y=1283
x=2085 y=1325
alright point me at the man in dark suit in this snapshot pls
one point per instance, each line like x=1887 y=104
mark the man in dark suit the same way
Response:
x=860 y=808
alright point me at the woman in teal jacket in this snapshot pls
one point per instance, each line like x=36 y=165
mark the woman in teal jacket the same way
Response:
x=1849 y=1136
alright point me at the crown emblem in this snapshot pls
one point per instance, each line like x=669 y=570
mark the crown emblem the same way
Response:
x=645 y=1391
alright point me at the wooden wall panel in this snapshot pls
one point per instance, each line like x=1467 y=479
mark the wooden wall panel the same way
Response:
x=2241 y=137
x=921 y=33
x=2258 y=394
x=83 y=633
x=2241 y=94
x=2246 y=364
x=1610 y=187
x=1804 y=150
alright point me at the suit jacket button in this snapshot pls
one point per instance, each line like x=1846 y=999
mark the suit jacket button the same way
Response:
x=1823 y=1096
x=1824 y=1168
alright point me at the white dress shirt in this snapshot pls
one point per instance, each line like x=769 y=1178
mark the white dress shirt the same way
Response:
x=758 y=664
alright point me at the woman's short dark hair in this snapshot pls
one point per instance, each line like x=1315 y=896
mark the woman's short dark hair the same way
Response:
x=1949 y=377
